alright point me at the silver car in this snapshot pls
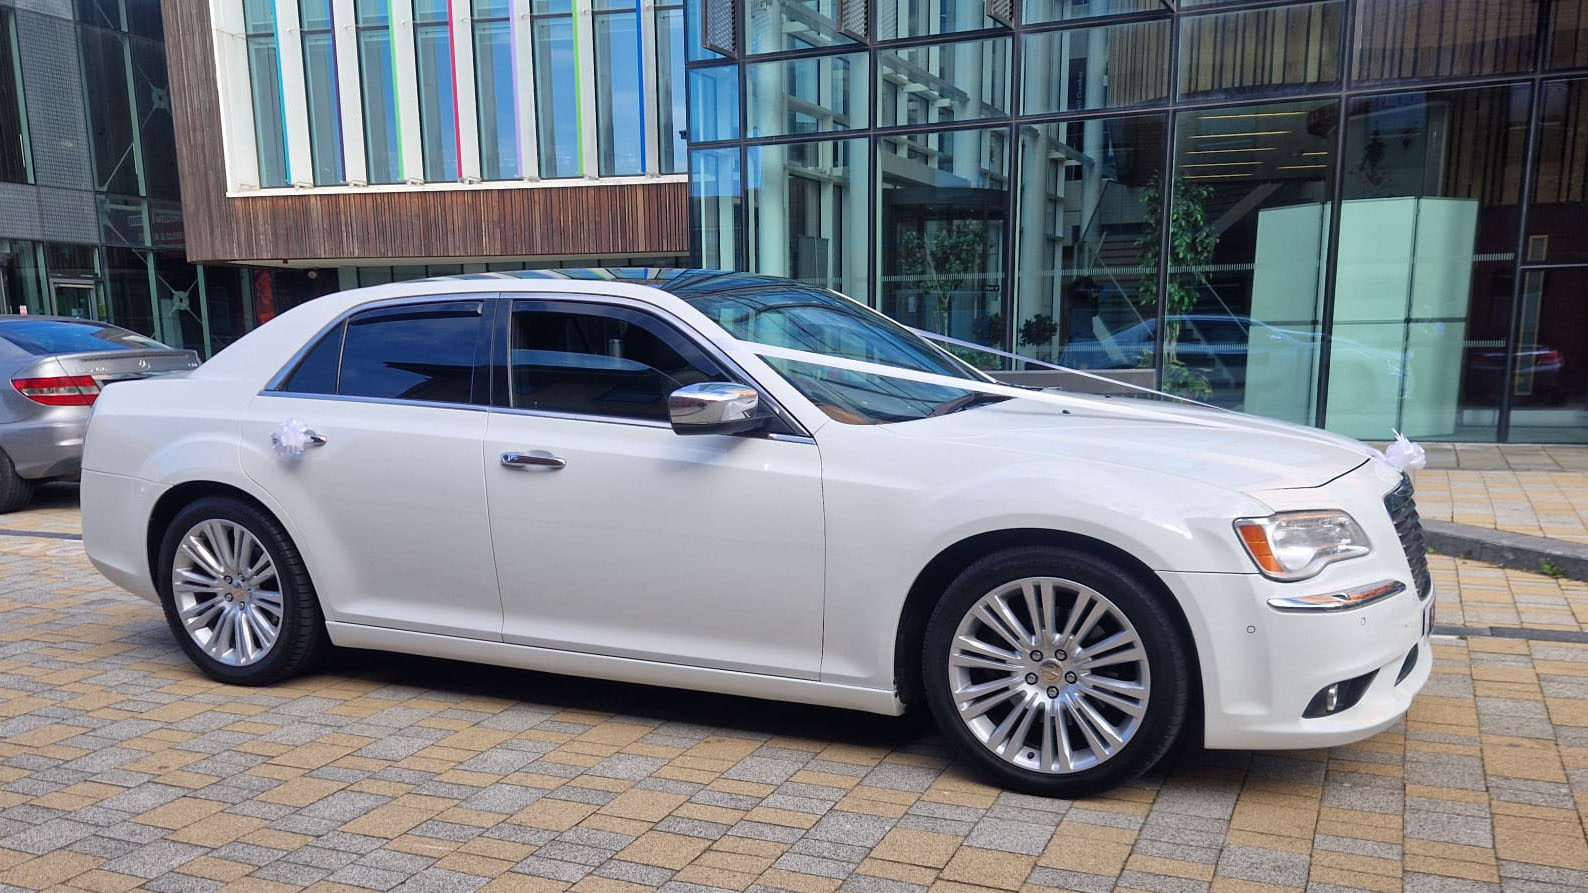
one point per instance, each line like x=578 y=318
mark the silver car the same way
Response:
x=53 y=369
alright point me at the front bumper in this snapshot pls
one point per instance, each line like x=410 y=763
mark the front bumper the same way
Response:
x=1261 y=667
x=49 y=447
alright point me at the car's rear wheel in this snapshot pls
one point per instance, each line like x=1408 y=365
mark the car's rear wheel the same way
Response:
x=237 y=594
x=1056 y=672
x=14 y=490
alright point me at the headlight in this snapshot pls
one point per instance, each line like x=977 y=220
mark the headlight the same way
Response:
x=1297 y=545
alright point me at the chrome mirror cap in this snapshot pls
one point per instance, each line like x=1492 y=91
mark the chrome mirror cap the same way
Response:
x=714 y=407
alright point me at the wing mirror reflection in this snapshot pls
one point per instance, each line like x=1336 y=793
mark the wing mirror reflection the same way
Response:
x=714 y=407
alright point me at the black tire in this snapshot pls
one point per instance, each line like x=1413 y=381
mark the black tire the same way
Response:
x=1167 y=701
x=14 y=491
x=302 y=639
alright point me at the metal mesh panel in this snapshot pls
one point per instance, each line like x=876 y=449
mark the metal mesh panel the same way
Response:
x=852 y=16
x=719 y=29
x=1002 y=11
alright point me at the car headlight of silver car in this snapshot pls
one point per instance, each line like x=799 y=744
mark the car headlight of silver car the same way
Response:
x=1298 y=545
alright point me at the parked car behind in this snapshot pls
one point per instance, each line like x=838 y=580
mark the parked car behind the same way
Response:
x=55 y=368
x=743 y=484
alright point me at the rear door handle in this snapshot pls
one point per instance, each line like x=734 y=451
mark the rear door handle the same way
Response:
x=533 y=459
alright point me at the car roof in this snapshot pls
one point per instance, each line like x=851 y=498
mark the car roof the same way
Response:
x=679 y=282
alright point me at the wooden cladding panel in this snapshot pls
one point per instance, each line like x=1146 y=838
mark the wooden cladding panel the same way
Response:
x=1138 y=62
x=612 y=220
x=1437 y=38
x=1290 y=46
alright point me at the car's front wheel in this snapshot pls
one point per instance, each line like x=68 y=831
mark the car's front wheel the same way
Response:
x=237 y=594
x=1056 y=672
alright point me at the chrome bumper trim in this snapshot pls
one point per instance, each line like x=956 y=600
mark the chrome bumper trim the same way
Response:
x=1338 y=601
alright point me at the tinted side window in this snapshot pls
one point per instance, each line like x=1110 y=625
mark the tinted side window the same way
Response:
x=606 y=361
x=316 y=373
x=416 y=352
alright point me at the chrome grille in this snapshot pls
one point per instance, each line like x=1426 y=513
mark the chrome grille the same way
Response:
x=1409 y=527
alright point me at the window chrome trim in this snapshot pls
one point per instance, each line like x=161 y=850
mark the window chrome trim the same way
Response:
x=1344 y=600
x=383 y=401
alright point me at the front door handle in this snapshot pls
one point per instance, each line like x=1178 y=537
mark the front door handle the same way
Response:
x=533 y=459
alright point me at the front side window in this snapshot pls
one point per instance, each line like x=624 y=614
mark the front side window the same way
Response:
x=607 y=361
x=426 y=352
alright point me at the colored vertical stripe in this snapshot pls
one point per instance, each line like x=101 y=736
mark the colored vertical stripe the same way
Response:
x=578 y=101
x=644 y=76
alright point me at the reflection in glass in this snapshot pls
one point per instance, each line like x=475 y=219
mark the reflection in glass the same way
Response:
x=557 y=96
x=1261 y=50
x=438 y=132
x=153 y=110
x=1096 y=68
x=127 y=280
x=1399 y=39
x=944 y=200
x=319 y=82
x=714 y=193
x=264 y=75
x=382 y=153
x=713 y=103
x=14 y=166
x=496 y=90
x=1056 y=10
x=1549 y=395
x=1568 y=35
x=944 y=82
x=774 y=25
x=1086 y=284
x=807 y=214
x=809 y=95
x=620 y=101
x=672 y=115
x=1249 y=229
x=917 y=18
x=1431 y=182
x=1560 y=187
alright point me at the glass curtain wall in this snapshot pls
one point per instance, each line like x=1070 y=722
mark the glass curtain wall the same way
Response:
x=672 y=114
x=15 y=157
x=620 y=88
x=557 y=89
x=438 y=99
x=264 y=73
x=319 y=81
x=1361 y=214
x=382 y=147
x=495 y=89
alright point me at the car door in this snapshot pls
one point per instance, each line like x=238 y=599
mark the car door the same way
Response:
x=623 y=538
x=389 y=509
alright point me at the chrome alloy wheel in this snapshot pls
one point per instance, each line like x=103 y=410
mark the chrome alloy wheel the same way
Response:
x=1049 y=675
x=227 y=595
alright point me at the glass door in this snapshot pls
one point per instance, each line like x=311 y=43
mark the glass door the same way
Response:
x=76 y=298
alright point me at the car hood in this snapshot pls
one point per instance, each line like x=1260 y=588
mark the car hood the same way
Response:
x=1224 y=449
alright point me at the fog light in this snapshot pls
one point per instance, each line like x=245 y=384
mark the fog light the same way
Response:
x=1338 y=697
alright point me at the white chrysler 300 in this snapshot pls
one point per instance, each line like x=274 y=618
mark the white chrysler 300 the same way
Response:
x=490 y=468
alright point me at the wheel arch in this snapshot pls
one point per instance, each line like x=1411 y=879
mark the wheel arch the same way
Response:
x=934 y=578
x=179 y=497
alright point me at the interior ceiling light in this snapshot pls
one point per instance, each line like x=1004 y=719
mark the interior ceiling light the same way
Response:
x=1251 y=115
x=1307 y=154
x=1224 y=136
x=1215 y=176
x=1225 y=151
x=1223 y=164
x=1300 y=167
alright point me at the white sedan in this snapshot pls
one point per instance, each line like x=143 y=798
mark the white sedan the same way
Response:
x=494 y=468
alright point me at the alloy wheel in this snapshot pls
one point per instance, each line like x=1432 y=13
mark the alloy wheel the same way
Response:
x=1049 y=675
x=227 y=594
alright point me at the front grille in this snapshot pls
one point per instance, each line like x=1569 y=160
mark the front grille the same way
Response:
x=1403 y=513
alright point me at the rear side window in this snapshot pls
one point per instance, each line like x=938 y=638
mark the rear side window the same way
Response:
x=427 y=352
x=42 y=337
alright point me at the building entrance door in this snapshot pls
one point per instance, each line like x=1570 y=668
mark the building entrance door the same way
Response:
x=76 y=298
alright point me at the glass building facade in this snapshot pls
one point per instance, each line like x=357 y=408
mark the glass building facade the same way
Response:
x=1367 y=215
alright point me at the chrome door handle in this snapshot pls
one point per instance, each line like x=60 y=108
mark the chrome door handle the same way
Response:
x=533 y=459
x=315 y=438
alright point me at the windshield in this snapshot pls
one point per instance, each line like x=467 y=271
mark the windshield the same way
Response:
x=821 y=322
x=50 y=336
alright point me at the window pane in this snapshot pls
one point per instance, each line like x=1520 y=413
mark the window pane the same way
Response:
x=806 y=95
x=557 y=97
x=1559 y=216
x=127 y=279
x=615 y=363
x=227 y=304
x=383 y=155
x=714 y=103
x=372 y=12
x=1261 y=50
x=316 y=372
x=1568 y=34
x=1055 y=10
x=264 y=74
x=673 y=115
x=1249 y=227
x=948 y=82
x=314 y=13
x=1096 y=68
x=917 y=18
x=412 y=353
x=1435 y=38
x=437 y=124
x=774 y=25
x=714 y=191
x=620 y=101
x=1432 y=182
x=325 y=116
x=1549 y=402
x=694 y=46
x=944 y=210
x=1086 y=281
x=496 y=89
x=13 y=135
x=105 y=58
x=806 y=209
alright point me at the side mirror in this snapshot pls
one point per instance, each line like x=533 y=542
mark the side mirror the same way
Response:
x=714 y=407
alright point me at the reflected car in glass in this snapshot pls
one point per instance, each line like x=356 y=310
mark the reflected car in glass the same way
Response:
x=742 y=484
x=54 y=369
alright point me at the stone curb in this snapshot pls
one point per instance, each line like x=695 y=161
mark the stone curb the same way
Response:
x=1514 y=550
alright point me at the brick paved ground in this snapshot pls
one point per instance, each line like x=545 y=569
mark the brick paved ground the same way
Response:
x=1522 y=488
x=122 y=768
